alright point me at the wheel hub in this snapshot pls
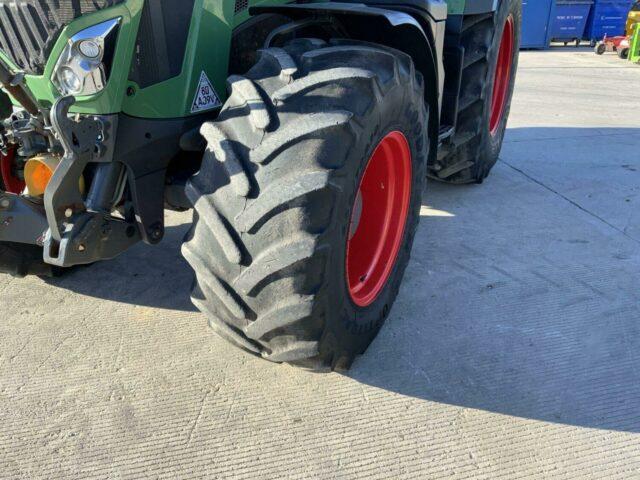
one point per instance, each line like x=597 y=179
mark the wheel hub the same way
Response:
x=378 y=219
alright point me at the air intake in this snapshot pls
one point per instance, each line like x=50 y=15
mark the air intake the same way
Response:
x=241 y=5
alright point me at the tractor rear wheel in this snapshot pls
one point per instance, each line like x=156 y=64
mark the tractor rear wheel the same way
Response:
x=491 y=44
x=307 y=201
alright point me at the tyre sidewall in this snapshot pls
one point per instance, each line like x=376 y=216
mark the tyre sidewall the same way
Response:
x=354 y=327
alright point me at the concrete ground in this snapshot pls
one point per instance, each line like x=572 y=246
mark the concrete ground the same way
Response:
x=513 y=350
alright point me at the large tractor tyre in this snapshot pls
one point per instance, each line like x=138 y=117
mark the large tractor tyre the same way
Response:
x=307 y=201
x=491 y=44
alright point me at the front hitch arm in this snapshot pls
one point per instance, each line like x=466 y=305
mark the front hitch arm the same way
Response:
x=76 y=235
x=62 y=198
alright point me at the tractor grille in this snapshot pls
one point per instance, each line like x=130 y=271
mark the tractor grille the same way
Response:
x=29 y=28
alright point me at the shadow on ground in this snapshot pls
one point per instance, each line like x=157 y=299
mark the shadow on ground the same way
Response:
x=523 y=302
x=492 y=321
x=151 y=276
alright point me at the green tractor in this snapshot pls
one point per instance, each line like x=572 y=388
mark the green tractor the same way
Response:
x=301 y=135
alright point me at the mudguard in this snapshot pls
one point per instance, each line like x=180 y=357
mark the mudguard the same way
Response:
x=420 y=34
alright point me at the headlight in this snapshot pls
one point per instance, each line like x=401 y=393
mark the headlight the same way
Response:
x=84 y=65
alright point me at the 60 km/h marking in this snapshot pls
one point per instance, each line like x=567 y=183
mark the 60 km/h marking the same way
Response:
x=206 y=97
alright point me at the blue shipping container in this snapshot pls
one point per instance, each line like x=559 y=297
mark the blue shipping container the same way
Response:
x=570 y=19
x=608 y=17
x=536 y=16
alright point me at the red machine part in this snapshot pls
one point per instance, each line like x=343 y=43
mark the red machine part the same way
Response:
x=611 y=44
x=12 y=183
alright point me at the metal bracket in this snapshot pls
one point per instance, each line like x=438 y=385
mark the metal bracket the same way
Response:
x=21 y=221
x=62 y=198
x=77 y=236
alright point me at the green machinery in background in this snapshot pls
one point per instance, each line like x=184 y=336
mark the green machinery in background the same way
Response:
x=634 y=50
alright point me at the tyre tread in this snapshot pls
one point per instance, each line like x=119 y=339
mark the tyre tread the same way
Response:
x=462 y=158
x=250 y=221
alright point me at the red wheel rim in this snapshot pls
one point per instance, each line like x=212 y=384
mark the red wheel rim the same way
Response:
x=502 y=76
x=378 y=219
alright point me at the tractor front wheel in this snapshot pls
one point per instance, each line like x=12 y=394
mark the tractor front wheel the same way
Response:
x=307 y=200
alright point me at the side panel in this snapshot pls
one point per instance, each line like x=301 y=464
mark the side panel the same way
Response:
x=207 y=51
x=161 y=41
x=136 y=92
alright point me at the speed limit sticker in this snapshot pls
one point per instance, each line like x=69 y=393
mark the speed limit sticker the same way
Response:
x=206 y=97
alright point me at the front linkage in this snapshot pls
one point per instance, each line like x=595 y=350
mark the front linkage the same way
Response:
x=82 y=232
x=73 y=230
